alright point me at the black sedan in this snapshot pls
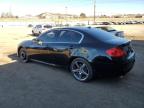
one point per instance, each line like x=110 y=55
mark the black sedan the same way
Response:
x=86 y=51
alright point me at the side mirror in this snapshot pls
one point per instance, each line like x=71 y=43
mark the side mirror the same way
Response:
x=37 y=41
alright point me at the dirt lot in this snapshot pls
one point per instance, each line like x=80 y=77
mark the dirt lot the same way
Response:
x=36 y=85
x=10 y=37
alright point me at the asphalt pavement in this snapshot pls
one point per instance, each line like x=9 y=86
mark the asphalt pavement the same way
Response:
x=35 y=85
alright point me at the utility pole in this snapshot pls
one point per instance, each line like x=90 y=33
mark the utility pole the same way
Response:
x=94 y=10
x=10 y=11
x=66 y=8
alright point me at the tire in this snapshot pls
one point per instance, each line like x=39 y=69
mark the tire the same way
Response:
x=81 y=70
x=33 y=33
x=23 y=55
x=39 y=32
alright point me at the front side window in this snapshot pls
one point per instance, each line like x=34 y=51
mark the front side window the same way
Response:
x=50 y=36
x=69 y=36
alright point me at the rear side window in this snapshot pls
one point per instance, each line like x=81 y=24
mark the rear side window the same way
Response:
x=69 y=36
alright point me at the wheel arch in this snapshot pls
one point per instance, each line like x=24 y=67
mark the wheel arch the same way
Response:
x=18 y=50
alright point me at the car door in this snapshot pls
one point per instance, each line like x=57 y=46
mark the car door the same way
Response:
x=45 y=51
x=67 y=41
x=34 y=49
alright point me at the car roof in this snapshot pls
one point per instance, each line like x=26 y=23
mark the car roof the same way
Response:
x=80 y=29
x=98 y=26
x=84 y=30
x=95 y=33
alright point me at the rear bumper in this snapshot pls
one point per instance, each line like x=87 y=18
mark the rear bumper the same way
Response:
x=111 y=67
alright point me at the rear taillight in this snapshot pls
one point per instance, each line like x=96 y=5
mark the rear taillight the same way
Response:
x=116 y=52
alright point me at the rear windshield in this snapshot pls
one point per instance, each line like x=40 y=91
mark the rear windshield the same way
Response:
x=100 y=34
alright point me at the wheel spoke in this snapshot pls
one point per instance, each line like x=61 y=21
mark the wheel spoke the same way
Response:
x=23 y=55
x=82 y=66
x=77 y=65
x=83 y=72
x=75 y=70
x=80 y=75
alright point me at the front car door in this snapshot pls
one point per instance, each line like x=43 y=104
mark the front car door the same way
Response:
x=40 y=49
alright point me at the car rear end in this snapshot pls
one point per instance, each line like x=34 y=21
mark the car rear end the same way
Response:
x=122 y=57
x=118 y=60
x=117 y=57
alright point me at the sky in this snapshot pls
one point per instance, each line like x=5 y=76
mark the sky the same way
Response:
x=108 y=7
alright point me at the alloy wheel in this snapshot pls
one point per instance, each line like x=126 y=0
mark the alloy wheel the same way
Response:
x=23 y=56
x=80 y=70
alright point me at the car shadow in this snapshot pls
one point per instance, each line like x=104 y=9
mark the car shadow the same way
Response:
x=33 y=35
x=57 y=69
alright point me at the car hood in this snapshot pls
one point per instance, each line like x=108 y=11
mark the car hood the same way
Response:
x=26 y=43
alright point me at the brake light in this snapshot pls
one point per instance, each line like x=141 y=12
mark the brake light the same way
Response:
x=116 y=52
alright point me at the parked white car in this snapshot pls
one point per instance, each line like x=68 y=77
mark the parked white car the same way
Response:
x=38 y=29
x=110 y=30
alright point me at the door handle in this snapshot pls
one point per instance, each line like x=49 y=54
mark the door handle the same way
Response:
x=54 y=49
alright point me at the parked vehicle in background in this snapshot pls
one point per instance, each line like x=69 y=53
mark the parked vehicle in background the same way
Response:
x=38 y=29
x=110 y=30
x=30 y=25
x=106 y=23
x=102 y=23
x=86 y=51
x=80 y=24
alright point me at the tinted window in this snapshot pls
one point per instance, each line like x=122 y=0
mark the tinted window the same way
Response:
x=50 y=36
x=69 y=36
